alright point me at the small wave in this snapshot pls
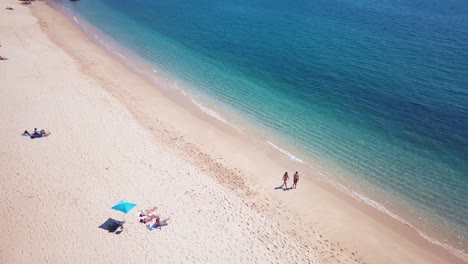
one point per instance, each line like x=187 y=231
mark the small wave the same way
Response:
x=382 y=208
x=210 y=112
x=214 y=114
x=378 y=206
x=207 y=110
x=76 y=20
x=291 y=156
x=155 y=71
x=100 y=40
x=120 y=55
x=181 y=90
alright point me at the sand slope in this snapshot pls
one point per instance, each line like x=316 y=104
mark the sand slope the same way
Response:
x=56 y=191
x=116 y=136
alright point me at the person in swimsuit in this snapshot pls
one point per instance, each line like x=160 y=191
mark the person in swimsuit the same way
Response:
x=296 y=179
x=36 y=133
x=149 y=219
x=285 y=180
x=148 y=212
x=160 y=223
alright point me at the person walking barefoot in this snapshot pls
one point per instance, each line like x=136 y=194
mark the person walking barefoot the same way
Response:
x=285 y=180
x=296 y=179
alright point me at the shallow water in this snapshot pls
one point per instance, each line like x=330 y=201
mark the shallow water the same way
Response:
x=375 y=92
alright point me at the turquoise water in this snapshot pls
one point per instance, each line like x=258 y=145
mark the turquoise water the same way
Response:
x=375 y=91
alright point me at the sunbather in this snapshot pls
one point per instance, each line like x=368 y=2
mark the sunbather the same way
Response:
x=160 y=223
x=36 y=134
x=148 y=212
x=149 y=219
x=3 y=58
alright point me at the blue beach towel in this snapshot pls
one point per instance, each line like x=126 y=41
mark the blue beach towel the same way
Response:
x=155 y=226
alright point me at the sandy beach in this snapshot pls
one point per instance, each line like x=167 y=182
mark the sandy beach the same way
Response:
x=115 y=136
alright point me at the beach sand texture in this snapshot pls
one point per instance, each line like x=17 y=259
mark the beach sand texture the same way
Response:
x=58 y=190
x=105 y=146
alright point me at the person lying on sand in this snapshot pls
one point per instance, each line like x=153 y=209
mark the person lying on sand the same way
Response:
x=149 y=219
x=39 y=133
x=148 y=212
x=160 y=223
x=9 y=8
x=3 y=58
x=36 y=134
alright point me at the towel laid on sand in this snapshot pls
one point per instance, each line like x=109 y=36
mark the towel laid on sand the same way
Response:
x=156 y=226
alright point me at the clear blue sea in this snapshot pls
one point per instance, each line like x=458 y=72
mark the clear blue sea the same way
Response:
x=374 y=92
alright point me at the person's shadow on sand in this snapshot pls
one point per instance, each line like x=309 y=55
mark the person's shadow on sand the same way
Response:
x=281 y=188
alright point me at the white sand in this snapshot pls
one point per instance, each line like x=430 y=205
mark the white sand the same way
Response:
x=115 y=137
x=56 y=191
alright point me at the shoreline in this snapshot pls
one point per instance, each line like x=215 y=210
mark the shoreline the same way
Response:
x=276 y=157
x=189 y=137
x=169 y=87
x=180 y=98
x=399 y=208
x=272 y=157
x=58 y=190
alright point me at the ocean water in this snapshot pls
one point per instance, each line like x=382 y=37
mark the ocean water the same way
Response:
x=373 y=92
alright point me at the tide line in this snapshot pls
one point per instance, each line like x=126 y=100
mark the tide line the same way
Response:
x=287 y=153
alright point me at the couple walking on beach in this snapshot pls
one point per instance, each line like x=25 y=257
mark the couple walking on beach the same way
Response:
x=286 y=178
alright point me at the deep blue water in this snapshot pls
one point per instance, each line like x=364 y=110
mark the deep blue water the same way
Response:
x=376 y=91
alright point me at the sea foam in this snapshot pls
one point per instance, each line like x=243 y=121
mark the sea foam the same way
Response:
x=210 y=112
x=287 y=153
